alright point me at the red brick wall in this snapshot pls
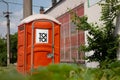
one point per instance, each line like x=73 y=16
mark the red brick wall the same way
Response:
x=71 y=39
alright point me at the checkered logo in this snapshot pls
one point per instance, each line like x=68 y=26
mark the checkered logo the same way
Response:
x=41 y=36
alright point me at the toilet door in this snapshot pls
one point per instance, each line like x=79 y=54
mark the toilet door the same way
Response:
x=42 y=43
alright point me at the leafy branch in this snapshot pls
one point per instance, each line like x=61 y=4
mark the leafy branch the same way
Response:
x=101 y=39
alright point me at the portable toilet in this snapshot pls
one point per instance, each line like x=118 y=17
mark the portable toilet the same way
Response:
x=38 y=42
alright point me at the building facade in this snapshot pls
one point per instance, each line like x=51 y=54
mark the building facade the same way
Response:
x=71 y=39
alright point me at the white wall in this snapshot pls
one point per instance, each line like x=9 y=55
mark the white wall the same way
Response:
x=93 y=13
x=64 y=7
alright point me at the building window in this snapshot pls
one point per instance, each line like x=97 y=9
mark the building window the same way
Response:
x=73 y=28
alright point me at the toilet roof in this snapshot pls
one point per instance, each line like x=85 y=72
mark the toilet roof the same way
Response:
x=38 y=17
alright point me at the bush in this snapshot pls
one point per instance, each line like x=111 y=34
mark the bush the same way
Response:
x=56 y=72
x=65 y=72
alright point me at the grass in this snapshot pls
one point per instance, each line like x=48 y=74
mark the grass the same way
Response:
x=7 y=68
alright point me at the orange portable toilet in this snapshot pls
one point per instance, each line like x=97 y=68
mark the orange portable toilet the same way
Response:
x=38 y=42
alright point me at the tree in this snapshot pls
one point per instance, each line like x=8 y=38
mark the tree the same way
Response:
x=13 y=41
x=3 y=52
x=103 y=42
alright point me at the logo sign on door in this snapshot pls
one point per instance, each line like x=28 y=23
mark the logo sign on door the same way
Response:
x=41 y=36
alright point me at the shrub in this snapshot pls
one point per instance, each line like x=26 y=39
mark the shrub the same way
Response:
x=65 y=72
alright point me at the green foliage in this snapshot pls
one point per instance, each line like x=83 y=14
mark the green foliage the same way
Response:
x=10 y=73
x=110 y=9
x=74 y=72
x=101 y=39
x=13 y=41
x=65 y=72
x=3 y=55
x=3 y=50
x=55 y=72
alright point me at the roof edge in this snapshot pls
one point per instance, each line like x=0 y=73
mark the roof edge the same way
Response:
x=53 y=6
x=38 y=16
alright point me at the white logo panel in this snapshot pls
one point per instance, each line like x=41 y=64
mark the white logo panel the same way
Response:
x=41 y=36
